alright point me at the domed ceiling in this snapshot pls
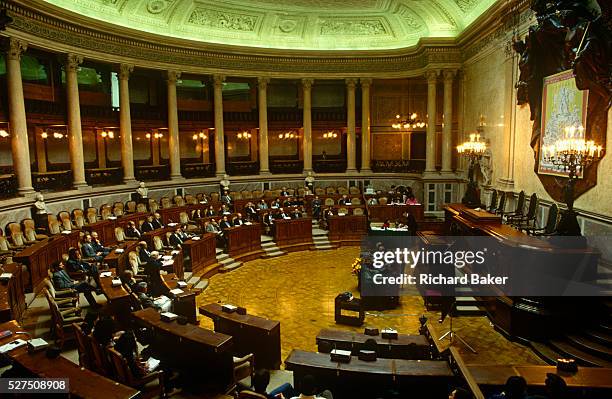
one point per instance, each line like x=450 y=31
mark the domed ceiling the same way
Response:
x=290 y=24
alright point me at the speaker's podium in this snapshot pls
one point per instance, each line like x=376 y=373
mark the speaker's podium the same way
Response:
x=348 y=310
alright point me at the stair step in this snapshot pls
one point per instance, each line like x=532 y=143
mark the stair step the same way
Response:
x=546 y=353
x=469 y=310
x=193 y=280
x=275 y=253
x=187 y=275
x=218 y=250
x=229 y=267
x=227 y=261
x=588 y=345
x=268 y=244
x=202 y=284
x=600 y=336
x=222 y=257
x=583 y=358
x=319 y=247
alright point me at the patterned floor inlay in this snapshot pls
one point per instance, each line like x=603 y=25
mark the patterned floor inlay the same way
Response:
x=299 y=290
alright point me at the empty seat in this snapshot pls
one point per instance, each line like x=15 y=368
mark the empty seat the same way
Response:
x=131 y=206
x=382 y=201
x=92 y=215
x=13 y=230
x=358 y=211
x=257 y=194
x=54 y=224
x=319 y=191
x=354 y=190
x=64 y=218
x=355 y=201
x=178 y=200
x=330 y=190
x=140 y=207
x=190 y=199
x=165 y=202
x=118 y=209
x=106 y=211
x=329 y=202
x=343 y=190
x=246 y=194
x=153 y=206
x=30 y=231
x=214 y=197
x=79 y=218
x=119 y=236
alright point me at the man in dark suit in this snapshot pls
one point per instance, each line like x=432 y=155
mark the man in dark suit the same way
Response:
x=225 y=223
x=147 y=225
x=281 y=214
x=157 y=286
x=226 y=198
x=61 y=280
x=197 y=214
x=131 y=232
x=89 y=251
x=210 y=212
x=175 y=239
x=268 y=220
x=251 y=212
x=288 y=201
x=75 y=264
x=345 y=200
x=157 y=221
x=143 y=254
x=284 y=192
x=97 y=244
x=316 y=207
x=238 y=220
x=296 y=214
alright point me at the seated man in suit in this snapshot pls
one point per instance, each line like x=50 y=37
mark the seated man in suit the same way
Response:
x=212 y=227
x=225 y=223
x=175 y=240
x=61 y=280
x=262 y=205
x=141 y=291
x=128 y=280
x=210 y=212
x=296 y=214
x=373 y=201
x=238 y=220
x=288 y=201
x=75 y=264
x=224 y=210
x=268 y=220
x=284 y=192
x=281 y=214
x=251 y=212
x=131 y=232
x=184 y=234
x=143 y=252
x=275 y=204
x=298 y=201
x=197 y=214
x=97 y=244
x=316 y=207
x=157 y=286
x=226 y=198
x=157 y=221
x=89 y=251
x=204 y=199
x=345 y=200
x=147 y=225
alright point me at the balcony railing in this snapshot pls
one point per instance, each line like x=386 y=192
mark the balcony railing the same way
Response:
x=329 y=165
x=286 y=166
x=52 y=181
x=398 y=166
x=152 y=172
x=190 y=170
x=243 y=168
x=104 y=176
x=8 y=186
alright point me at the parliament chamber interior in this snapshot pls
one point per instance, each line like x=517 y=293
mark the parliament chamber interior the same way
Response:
x=376 y=199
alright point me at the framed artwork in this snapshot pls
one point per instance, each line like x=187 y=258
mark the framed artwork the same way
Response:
x=563 y=105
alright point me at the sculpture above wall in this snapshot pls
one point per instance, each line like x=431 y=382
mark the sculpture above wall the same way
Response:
x=576 y=35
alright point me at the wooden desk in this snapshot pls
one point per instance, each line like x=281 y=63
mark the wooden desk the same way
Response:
x=40 y=255
x=347 y=228
x=105 y=230
x=359 y=378
x=118 y=300
x=148 y=236
x=586 y=377
x=244 y=240
x=203 y=252
x=409 y=347
x=83 y=383
x=381 y=213
x=289 y=233
x=131 y=217
x=118 y=261
x=202 y=356
x=12 y=296
x=252 y=334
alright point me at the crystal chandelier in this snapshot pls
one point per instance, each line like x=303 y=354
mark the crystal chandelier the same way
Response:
x=412 y=122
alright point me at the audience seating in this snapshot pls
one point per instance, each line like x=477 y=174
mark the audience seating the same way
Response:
x=178 y=200
x=165 y=202
x=100 y=359
x=118 y=208
x=190 y=199
x=244 y=367
x=382 y=201
x=84 y=347
x=64 y=218
x=153 y=206
x=61 y=319
x=146 y=384
x=549 y=227
x=106 y=211
x=79 y=219
x=354 y=190
x=140 y=207
x=14 y=231
x=130 y=207
x=493 y=203
x=528 y=218
x=119 y=236
x=214 y=197
x=64 y=298
x=92 y=215
x=501 y=206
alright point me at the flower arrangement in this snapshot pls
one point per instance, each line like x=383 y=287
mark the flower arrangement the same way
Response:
x=356 y=266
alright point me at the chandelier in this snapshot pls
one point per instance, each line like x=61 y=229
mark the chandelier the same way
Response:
x=412 y=122
x=287 y=136
x=200 y=135
x=473 y=149
x=244 y=135
x=330 y=135
x=107 y=133
x=154 y=135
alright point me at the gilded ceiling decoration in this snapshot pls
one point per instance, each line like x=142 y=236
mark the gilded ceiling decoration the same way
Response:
x=289 y=24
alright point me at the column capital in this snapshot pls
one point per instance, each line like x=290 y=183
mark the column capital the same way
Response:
x=307 y=83
x=124 y=71
x=218 y=80
x=262 y=82
x=351 y=83
x=172 y=76
x=15 y=48
x=72 y=61
x=432 y=75
x=449 y=74
x=365 y=82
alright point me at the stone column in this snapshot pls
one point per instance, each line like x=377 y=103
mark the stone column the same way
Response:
x=262 y=85
x=75 y=134
x=17 y=117
x=41 y=154
x=173 y=127
x=219 y=139
x=447 y=132
x=125 y=123
x=430 y=154
x=351 y=146
x=365 y=125
x=307 y=92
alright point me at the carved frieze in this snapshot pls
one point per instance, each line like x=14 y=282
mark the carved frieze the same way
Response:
x=223 y=20
x=350 y=27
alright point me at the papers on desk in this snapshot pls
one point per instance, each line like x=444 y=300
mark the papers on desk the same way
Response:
x=12 y=345
x=287 y=218
x=6 y=276
x=106 y=274
x=66 y=232
x=119 y=250
x=248 y=223
x=167 y=316
x=172 y=224
x=341 y=214
x=116 y=282
x=175 y=252
x=161 y=300
x=167 y=257
x=227 y=213
x=152 y=364
x=181 y=284
x=168 y=262
x=176 y=291
x=112 y=218
x=195 y=238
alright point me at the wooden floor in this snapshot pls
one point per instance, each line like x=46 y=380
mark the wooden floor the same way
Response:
x=299 y=290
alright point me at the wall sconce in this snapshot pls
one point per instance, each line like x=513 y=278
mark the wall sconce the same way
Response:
x=330 y=135
x=154 y=135
x=287 y=136
x=244 y=135
x=4 y=133
x=200 y=135
x=110 y=134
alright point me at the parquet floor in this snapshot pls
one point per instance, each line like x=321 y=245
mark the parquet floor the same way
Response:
x=299 y=290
